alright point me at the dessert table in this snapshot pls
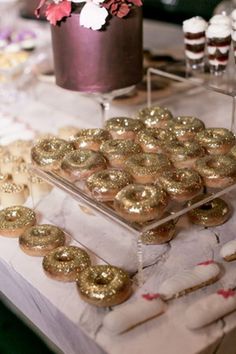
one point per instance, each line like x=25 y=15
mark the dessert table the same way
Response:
x=55 y=308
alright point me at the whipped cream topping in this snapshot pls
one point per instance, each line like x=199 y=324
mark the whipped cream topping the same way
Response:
x=194 y=25
x=131 y=314
x=194 y=56
x=220 y=19
x=218 y=31
x=234 y=35
x=228 y=249
x=208 y=310
x=188 y=279
x=233 y=15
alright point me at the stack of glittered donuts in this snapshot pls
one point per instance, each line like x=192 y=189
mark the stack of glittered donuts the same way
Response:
x=16 y=180
x=99 y=285
x=138 y=165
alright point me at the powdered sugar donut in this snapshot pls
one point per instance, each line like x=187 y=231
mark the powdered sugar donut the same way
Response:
x=228 y=251
x=210 y=308
x=201 y=275
x=132 y=314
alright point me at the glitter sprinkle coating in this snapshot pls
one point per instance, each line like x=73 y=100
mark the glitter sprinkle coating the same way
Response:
x=104 y=285
x=181 y=151
x=16 y=217
x=85 y=137
x=11 y=188
x=160 y=234
x=82 y=159
x=213 y=213
x=118 y=148
x=154 y=116
x=124 y=124
x=184 y=125
x=181 y=181
x=213 y=138
x=147 y=164
x=42 y=237
x=104 y=181
x=145 y=201
x=66 y=261
x=152 y=140
x=215 y=166
x=50 y=152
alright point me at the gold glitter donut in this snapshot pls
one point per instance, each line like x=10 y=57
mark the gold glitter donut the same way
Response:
x=15 y=220
x=40 y=239
x=104 y=185
x=160 y=234
x=146 y=167
x=12 y=194
x=80 y=164
x=118 y=150
x=155 y=116
x=183 y=154
x=185 y=127
x=104 y=285
x=213 y=213
x=217 y=171
x=65 y=263
x=90 y=139
x=152 y=140
x=124 y=127
x=181 y=184
x=216 y=140
x=140 y=203
x=48 y=153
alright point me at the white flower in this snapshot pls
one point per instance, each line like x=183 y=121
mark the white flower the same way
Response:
x=92 y=15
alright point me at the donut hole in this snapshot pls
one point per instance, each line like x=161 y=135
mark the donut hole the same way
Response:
x=12 y=216
x=64 y=257
x=206 y=207
x=40 y=232
x=103 y=279
x=214 y=164
x=139 y=195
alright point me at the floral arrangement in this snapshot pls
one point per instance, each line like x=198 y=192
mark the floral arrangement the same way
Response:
x=94 y=13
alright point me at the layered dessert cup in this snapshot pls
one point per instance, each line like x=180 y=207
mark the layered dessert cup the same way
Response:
x=234 y=44
x=194 y=39
x=218 y=46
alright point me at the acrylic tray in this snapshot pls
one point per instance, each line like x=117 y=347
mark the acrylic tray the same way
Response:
x=215 y=109
x=75 y=191
x=213 y=106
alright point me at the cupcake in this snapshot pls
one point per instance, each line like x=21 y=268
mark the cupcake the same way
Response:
x=218 y=46
x=194 y=39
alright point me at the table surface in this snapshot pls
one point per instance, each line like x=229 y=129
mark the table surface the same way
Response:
x=54 y=307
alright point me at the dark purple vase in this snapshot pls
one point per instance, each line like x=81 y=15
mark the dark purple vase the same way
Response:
x=98 y=61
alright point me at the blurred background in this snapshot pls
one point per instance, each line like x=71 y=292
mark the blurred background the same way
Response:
x=176 y=11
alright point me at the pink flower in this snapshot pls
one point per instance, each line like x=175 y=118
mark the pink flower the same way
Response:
x=55 y=12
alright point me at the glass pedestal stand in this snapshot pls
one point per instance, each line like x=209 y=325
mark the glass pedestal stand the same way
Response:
x=105 y=99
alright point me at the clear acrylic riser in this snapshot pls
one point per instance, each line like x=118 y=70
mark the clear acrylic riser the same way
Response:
x=195 y=98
